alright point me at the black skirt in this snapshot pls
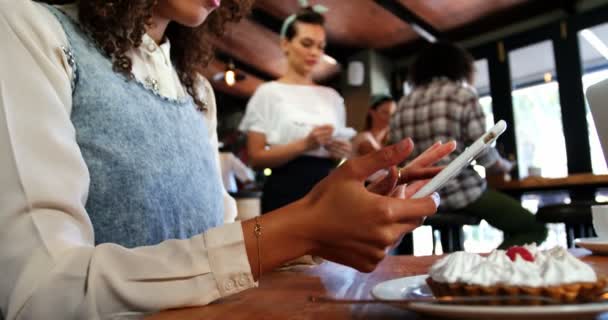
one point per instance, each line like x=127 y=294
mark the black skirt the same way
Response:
x=294 y=180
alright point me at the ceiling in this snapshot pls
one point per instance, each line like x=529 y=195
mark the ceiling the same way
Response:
x=448 y=14
x=351 y=25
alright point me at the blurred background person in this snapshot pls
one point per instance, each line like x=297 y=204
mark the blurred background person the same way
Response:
x=232 y=169
x=377 y=125
x=442 y=106
x=294 y=126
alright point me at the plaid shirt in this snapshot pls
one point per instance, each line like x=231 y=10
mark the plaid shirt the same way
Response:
x=445 y=110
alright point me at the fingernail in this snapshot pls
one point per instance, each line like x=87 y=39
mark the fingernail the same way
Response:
x=403 y=145
x=381 y=176
x=436 y=199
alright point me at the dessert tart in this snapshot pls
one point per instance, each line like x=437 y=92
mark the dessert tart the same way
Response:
x=554 y=273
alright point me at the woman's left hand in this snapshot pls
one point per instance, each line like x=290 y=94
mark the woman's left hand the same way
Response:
x=415 y=174
x=339 y=149
x=423 y=166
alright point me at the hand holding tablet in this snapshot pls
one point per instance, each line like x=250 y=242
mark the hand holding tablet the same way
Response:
x=463 y=160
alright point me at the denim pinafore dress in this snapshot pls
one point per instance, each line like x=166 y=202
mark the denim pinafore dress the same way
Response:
x=153 y=174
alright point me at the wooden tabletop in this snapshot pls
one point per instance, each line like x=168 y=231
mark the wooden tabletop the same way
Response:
x=284 y=294
x=589 y=180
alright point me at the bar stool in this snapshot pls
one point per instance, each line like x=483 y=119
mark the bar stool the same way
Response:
x=450 y=230
x=576 y=216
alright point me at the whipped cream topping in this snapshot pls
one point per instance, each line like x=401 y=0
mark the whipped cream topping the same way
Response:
x=452 y=267
x=549 y=268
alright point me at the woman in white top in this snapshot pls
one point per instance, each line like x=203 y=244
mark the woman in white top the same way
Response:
x=111 y=200
x=294 y=126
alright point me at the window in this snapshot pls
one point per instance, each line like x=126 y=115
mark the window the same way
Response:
x=482 y=84
x=594 y=56
x=486 y=105
x=538 y=123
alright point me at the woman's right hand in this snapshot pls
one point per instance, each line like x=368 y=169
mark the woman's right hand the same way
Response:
x=349 y=224
x=319 y=136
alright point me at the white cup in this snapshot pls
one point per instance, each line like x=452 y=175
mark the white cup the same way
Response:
x=600 y=220
x=534 y=171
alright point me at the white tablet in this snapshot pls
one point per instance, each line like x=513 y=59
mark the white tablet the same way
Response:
x=463 y=160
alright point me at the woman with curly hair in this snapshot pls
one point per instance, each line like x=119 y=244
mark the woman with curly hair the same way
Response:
x=111 y=200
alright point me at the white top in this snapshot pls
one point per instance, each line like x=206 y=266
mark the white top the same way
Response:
x=288 y=112
x=51 y=268
x=231 y=167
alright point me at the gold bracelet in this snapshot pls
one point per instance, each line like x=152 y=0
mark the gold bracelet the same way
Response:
x=257 y=231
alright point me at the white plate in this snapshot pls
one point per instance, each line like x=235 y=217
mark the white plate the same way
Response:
x=411 y=287
x=594 y=244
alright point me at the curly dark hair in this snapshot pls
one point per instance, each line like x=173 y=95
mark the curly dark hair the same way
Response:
x=305 y=15
x=119 y=25
x=441 y=59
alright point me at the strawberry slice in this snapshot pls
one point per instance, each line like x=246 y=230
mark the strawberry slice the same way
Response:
x=521 y=251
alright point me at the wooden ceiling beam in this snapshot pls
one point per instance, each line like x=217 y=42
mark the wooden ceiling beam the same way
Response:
x=517 y=13
x=266 y=19
x=256 y=47
x=352 y=23
x=271 y=22
x=420 y=26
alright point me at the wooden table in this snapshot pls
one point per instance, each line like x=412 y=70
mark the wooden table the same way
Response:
x=284 y=294
x=581 y=183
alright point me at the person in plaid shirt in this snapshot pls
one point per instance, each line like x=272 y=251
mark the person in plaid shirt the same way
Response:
x=443 y=106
